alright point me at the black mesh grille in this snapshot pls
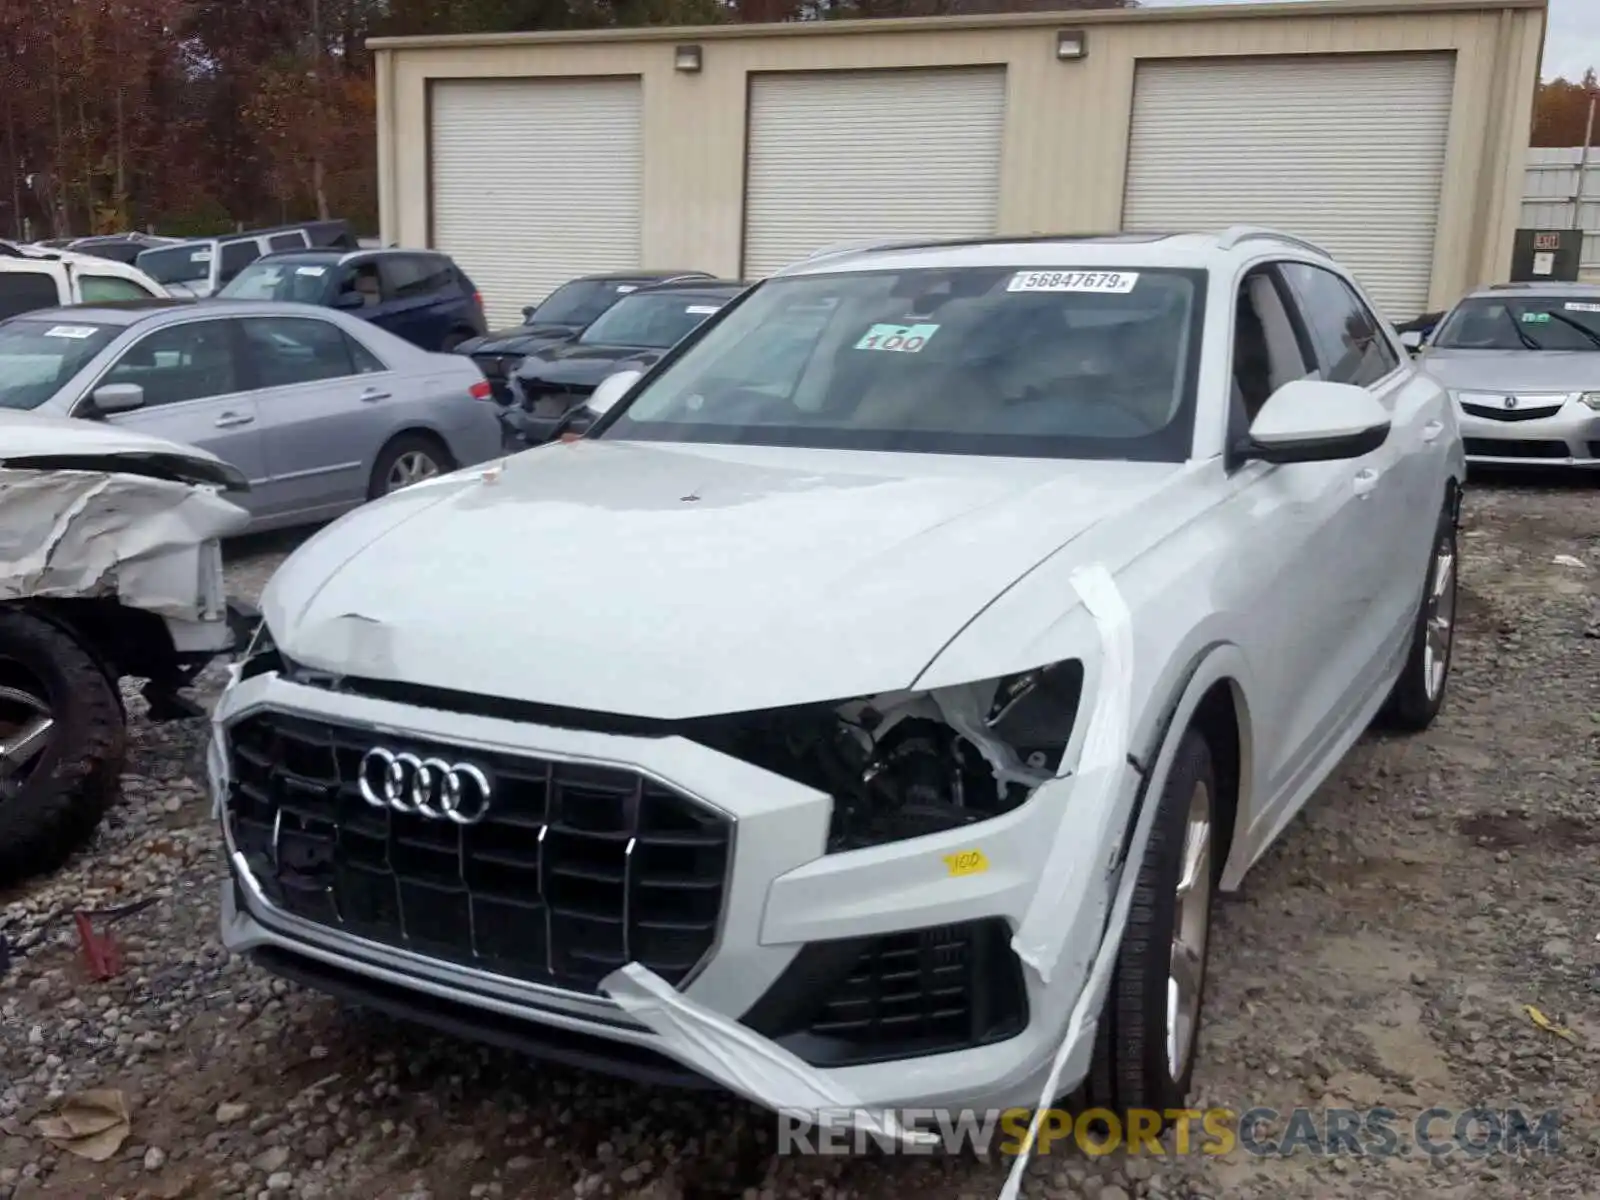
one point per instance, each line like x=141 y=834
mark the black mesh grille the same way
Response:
x=576 y=870
x=1516 y=448
x=1501 y=413
x=900 y=995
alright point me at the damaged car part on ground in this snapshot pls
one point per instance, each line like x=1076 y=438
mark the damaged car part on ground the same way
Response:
x=1043 y=588
x=110 y=568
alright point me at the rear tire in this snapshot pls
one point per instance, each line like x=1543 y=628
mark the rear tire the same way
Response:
x=1149 y=1029
x=57 y=784
x=1419 y=693
x=407 y=459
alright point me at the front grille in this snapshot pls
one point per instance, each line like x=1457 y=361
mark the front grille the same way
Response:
x=1510 y=414
x=1515 y=448
x=901 y=995
x=576 y=870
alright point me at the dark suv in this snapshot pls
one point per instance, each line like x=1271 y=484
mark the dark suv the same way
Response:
x=419 y=295
x=562 y=316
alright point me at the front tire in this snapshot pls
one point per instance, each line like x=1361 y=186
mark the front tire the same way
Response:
x=1149 y=1029
x=1418 y=694
x=62 y=745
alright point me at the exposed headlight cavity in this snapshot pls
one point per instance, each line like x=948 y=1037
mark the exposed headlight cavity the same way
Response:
x=261 y=656
x=904 y=764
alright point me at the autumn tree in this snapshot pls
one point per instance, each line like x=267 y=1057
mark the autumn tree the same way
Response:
x=1561 y=111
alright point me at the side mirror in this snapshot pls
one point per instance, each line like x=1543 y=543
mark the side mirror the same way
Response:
x=349 y=301
x=612 y=389
x=1411 y=339
x=1308 y=420
x=527 y=313
x=118 y=397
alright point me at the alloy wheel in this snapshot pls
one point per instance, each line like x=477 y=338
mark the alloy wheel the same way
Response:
x=1440 y=620
x=1191 y=923
x=26 y=721
x=411 y=467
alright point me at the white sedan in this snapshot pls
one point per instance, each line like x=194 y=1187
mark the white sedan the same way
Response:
x=891 y=712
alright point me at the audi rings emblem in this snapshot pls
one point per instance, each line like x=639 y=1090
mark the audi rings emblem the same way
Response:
x=425 y=787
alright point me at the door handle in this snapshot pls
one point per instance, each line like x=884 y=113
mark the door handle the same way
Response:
x=1365 y=481
x=1432 y=430
x=372 y=394
x=229 y=419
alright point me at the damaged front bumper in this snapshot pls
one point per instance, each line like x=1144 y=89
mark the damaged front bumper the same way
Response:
x=885 y=970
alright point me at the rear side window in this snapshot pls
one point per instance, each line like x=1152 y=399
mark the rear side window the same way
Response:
x=24 y=291
x=409 y=276
x=285 y=351
x=101 y=289
x=236 y=256
x=1349 y=340
x=287 y=241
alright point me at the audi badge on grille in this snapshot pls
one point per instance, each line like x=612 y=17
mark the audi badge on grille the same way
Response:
x=425 y=787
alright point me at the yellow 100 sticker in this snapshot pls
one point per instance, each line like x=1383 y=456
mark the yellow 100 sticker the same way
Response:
x=966 y=862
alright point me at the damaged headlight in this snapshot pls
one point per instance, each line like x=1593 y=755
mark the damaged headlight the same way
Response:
x=905 y=764
x=261 y=656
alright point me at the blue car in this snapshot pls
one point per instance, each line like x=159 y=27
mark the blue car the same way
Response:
x=418 y=295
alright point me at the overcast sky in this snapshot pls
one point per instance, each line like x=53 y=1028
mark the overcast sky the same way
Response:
x=1571 y=43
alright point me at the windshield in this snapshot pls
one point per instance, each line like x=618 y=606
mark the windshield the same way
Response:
x=181 y=264
x=38 y=357
x=303 y=282
x=977 y=360
x=581 y=301
x=1521 y=323
x=650 y=319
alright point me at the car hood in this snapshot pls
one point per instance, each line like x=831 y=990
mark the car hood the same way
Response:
x=1515 y=370
x=524 y=339
x=583 y=366
x=673 y=580
x=35 y=441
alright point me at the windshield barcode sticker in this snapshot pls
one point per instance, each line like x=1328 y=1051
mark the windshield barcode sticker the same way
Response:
x=1116 y=282
x=76 y=332
x=624 y=288
x=200 y=256
x=1575 y=306
x=702 y=310
x=314 y=272
x=904 y=339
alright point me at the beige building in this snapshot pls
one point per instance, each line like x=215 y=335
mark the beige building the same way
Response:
x=1392 y=131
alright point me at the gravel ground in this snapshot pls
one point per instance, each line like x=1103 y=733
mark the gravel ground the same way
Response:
x=1381 y=954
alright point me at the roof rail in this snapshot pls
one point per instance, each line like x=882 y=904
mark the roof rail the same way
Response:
x=1234 y=234
x=860 y=246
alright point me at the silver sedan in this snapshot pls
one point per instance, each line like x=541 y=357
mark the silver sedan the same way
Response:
x=319 y=410
x=1522 y=362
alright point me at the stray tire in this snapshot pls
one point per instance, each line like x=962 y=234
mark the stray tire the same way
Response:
x=1145 y=1046
x=62 y=744
x=409 y=458
x=1418 y=694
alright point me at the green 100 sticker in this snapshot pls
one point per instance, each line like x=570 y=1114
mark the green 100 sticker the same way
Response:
x=906 y=339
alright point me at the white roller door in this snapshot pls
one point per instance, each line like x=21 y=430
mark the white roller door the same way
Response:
x=838 y=156
x=535 y=181
x=1346 y=150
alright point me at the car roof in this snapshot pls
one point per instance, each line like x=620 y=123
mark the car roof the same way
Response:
x=1105 y=250
x=1589 y=291
x=704 y=287
x=134 y=312
x=639 y=276
x=106 y=312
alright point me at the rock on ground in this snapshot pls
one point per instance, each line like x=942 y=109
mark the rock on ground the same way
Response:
x=1381 y=953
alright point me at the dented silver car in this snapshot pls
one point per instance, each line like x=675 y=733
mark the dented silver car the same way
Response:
x=110 y=569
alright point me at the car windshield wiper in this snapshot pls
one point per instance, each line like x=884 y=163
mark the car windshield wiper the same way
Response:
x=1527 y=339
x=1594 y=338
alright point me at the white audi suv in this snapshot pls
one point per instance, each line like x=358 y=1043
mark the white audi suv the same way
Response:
x=877 y=692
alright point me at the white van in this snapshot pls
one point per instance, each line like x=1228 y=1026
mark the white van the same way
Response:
x=31 y=278
x=204 y=266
